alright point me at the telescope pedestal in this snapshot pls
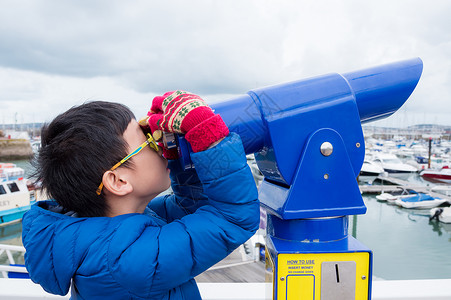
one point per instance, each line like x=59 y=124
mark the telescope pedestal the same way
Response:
x=316 y=259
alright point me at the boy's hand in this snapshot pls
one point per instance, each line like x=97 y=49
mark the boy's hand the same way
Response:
x=178 y=111
x=186 y=113
x=157 y=135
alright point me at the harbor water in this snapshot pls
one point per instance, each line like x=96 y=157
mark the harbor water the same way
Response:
x=405 y=244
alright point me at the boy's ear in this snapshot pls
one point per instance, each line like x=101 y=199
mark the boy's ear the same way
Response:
x=116 y=184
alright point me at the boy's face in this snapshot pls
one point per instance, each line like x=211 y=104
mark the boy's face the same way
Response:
x=149 y=173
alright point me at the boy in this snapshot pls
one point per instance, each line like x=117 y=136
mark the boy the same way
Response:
x=105 y=234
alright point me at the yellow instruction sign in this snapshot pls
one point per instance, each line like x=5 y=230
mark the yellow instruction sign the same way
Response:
x=322 y=275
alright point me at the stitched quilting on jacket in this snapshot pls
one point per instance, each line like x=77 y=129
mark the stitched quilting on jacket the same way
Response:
x=154 y=255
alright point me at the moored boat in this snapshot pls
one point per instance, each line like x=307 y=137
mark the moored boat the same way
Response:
x=442 y=175
x=14 y=194
x=393 y=196
x=442 y=214
x=370 y=171
x=442 y=189
x=420 y=200
x=9 y=171
x=394 y=166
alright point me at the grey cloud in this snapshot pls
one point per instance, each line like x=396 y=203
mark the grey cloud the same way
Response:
x=156 y=47
x=229 y=47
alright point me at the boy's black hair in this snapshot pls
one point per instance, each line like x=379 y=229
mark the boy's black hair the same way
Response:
x=78 y=146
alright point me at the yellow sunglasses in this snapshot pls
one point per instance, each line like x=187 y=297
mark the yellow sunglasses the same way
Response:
x=152 y=144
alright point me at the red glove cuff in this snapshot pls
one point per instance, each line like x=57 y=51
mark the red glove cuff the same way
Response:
x=196 y=117
x=206 y=133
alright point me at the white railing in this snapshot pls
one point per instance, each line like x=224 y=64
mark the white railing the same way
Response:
x=25 y=289
x=9 y=250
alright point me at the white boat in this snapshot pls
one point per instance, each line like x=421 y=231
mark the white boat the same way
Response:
x=418 y=162
x=443 y=214
x=420 y=200
x=442 y=189
x=419 y=150
x=9 y=171
x=404 y=153
x=393 y=196
x=14 y=194
x=442 y=175
x=370 y=171
x=422 y=163
x=393 y=165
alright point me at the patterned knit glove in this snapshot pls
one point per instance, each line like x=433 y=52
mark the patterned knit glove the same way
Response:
x=145 y=126
x=186 y=113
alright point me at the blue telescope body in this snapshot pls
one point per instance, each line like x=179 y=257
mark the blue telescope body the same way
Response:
x=285 y=126
x=308 y=143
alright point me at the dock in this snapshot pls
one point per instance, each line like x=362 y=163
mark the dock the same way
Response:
x=235 y=268
x=391 y=184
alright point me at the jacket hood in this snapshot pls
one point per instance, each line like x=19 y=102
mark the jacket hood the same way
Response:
x=54 y=250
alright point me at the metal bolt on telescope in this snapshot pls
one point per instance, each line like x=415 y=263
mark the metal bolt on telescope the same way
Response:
x=308 y=143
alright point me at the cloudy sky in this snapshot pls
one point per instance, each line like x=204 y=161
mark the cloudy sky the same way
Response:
x=56 y=54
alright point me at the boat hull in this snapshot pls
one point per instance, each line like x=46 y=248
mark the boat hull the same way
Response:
x=420 y=200
x=369 y=173
x=13 y=215
x=444 y=215
x=399 y=173
x=421 y=204
x=436 y=177
x=14 y=194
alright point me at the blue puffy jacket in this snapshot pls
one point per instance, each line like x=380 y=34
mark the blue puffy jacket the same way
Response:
x=154 y=255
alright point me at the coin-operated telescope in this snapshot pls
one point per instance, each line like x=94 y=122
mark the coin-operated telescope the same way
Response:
x=308 y=143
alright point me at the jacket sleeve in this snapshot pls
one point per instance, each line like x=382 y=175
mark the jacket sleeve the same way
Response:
x=168 y=256
x=187 y=194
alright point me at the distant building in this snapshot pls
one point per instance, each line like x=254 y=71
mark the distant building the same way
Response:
x=417 y=132
x=16 y=135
